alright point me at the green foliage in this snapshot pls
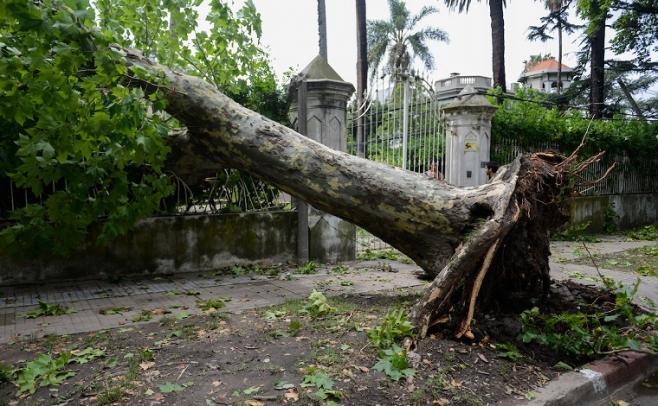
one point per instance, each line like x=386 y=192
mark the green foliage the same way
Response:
x=536 y=122
x=47 y=309
x=169 y=387
x=574 y=232
x=649 y=233
x=307 y=269
x=508 y=351
x=7 y=373
x=89 y=151
x=317 y=305
x=393 y=362
x=341 y=269
x=210 y=304
x=584 y=335
x=294 y=327
x=46 y=370
x=650 y=250
x=394 y=327
x=316 y=378
x=43 y=371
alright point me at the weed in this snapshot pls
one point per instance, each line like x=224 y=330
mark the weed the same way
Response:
x=650 y=250
x=341 y=269
x=145 y=315
x=394 y=327
x=114 y=310
x=370 y=255
x=574 y=232
x=272 y=315
x=323 y=383
x=346 y=283
x=307 y=269
x=646 y=271
x=393 y=362
x=43 y=371
x=648 y=233
x=584 y=335
x=7 y=373
x=317 y=305
x=210 y=304
x=508 y=351
x=47 y=309
x=294 y=327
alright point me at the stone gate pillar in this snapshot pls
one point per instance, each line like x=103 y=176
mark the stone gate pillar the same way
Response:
x=468 y=138
x=330 y=238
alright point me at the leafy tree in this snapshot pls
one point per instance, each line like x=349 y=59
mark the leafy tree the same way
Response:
x=556 y=20
x=636 y=32
x=497 y=35
x=83 y=145
x=399 y=41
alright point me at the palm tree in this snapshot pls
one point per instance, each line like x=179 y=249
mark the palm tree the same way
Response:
x=556 y=20
x=398 y=40
x=497 y=35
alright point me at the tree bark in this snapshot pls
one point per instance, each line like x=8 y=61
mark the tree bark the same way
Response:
x=447 y=231
x=498 y=43
x=597 y=61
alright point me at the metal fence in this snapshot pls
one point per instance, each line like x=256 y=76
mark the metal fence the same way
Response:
x=230 y=191
x=403 y=127
x=628 y=177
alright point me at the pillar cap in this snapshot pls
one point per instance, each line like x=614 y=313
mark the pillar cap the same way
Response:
x=320 y=75
x=470 y=98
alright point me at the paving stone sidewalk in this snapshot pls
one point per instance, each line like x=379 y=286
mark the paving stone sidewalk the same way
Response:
x=179 y=294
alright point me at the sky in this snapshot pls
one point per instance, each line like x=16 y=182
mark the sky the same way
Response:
x=290 y=35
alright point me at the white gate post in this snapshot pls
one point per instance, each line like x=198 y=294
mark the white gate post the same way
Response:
x=331 y=239
x=468 y=138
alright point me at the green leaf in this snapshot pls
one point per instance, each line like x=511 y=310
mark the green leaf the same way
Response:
x=170 y=387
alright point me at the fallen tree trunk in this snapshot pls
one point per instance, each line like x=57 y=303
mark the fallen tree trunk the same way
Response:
x=490 y=241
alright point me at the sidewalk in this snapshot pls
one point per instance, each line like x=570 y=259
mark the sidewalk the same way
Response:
x=178 y=295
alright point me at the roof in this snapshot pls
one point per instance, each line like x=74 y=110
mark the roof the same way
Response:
x=319 y=69
x=549 y=65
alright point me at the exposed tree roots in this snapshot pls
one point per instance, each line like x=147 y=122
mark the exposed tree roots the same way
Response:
x=505 y=262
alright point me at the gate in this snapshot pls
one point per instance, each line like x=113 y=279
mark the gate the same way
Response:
x=403 y=126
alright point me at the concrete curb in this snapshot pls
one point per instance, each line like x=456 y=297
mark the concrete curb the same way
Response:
x=597 y=380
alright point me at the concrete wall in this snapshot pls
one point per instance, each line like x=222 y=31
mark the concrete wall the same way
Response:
x=163 y=245
x=632 y=210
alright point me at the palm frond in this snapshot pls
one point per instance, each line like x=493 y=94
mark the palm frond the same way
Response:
x=424 y=12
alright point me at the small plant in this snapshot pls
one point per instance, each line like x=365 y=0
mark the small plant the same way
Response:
x=393 y=362
x=508 y=351
x=308 y=268
x=145 y=315
x=43 y=371
x=610 y=219
x=317 y=305
x=341 y=270
x=323 y=383
x=370 y=255
x=346 y=283
x=47 y=309
x=584 y=335
x=210 y=305
x=648 y=233
x=394 y=327
x=646 y=271
x=650 y=250
x=114 y=310
x=574 y=232
x=86 y=355
x=272 y=315
x=294 y=327
x=7 y=373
